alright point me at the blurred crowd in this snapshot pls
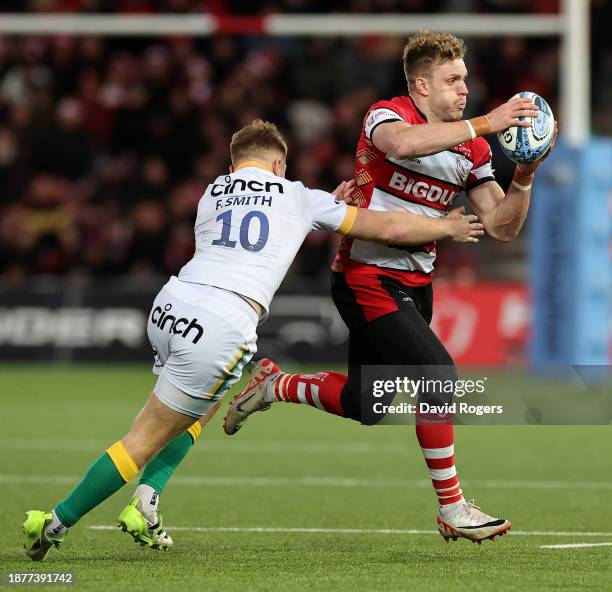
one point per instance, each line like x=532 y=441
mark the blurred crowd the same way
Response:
x=285 y=6
x=106 y=145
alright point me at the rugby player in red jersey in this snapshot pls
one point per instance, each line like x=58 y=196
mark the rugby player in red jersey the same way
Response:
x=415 y=153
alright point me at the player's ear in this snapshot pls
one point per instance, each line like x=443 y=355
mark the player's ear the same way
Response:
x=279 y=167
x=421 y=85
x=231 y=168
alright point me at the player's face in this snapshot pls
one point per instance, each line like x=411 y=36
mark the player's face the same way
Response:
x=448 y=90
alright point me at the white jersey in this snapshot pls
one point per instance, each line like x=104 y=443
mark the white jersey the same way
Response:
x=249 y=227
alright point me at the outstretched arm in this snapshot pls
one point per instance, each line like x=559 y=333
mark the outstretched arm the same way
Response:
x=407 y=229
x=403 y=140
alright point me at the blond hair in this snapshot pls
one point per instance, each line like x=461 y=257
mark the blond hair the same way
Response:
x=257 y=140
x=426 y=48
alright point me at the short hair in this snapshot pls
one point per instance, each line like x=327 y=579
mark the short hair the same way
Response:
x=256 y=140
x=426 y=48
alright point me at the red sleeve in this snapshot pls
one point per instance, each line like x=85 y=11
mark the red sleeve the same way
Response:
x=481 y=152
x=482 y=167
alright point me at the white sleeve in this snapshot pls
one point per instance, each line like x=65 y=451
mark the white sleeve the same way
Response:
x=328 y=212
x=376 y=117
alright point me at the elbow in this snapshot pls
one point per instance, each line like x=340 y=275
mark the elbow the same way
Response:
x=404 y=151
x=402 y=148
x=391 y=234
x=503 y=235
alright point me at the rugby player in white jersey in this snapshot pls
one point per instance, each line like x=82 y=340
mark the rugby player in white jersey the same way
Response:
x=202 y=326
x=416 y=154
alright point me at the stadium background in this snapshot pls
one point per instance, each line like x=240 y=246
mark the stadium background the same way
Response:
x=106 y=144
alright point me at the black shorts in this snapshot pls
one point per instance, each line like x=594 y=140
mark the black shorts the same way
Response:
x=363 y=299
x=402 y=337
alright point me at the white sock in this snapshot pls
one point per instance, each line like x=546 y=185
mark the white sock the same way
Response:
x=449 y=509
x=269 y=396
x=149 y=498
x=55 y=527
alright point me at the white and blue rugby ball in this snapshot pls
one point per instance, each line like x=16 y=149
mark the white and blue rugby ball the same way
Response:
x=528 y=144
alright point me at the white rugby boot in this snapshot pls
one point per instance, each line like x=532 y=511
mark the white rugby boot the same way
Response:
x=471 y=523
x=252 y=398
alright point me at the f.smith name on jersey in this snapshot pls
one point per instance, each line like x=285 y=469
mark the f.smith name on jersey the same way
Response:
x=240 y=186
x=244 y=200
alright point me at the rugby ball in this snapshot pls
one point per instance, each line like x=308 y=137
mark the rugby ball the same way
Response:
x=527 y=144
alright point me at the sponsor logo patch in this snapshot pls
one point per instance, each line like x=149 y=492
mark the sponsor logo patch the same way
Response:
x=421 y=189
x=182 y=326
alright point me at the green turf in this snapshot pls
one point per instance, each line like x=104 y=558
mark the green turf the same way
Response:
x=55 y=420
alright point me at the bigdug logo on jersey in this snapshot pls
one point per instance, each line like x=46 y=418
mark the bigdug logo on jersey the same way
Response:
x=421 y=191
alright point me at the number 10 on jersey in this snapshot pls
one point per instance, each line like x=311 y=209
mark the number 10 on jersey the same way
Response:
x=225 y=241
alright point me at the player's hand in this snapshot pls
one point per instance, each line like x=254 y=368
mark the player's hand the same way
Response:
x=464 y=228
x=531 y=168
x=344 y=192
x=507 y=115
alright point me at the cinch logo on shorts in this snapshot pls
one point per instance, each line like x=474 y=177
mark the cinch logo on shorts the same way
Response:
x=180 y=326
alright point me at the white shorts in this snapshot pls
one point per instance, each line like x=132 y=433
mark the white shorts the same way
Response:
x=202 y=337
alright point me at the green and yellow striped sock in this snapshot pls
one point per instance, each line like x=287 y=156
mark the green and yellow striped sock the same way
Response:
x=108 y=473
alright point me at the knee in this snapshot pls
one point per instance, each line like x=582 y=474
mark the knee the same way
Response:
x=210 y=413
x=351 y=402
x=439 y=385
x=438 y=356
x=358 y=404
x=141 y=447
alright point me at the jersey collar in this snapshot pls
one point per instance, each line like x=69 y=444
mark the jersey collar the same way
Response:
x=253 y=164
x=421 y=114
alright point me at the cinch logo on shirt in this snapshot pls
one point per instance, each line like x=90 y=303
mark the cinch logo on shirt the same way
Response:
x=421 y=189
x=182 y=326
x=233 y=185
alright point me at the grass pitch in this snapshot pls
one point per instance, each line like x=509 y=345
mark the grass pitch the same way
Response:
x=300 y=499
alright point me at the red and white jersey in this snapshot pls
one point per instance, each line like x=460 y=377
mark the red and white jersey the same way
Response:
x=426 y=185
